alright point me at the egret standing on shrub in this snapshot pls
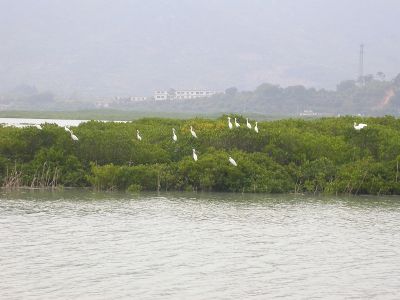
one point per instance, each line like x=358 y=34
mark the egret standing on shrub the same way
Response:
x=237 y=124
x=194 y=155
x=359 y=126
x=229 y=123
x=247 y=123
x=256 y=128
x=174 y=137
x=73 y=136
x=192 y=132
x=232 y=161
x=138 y=135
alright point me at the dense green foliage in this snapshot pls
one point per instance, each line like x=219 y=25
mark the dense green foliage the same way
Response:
x=322 y=155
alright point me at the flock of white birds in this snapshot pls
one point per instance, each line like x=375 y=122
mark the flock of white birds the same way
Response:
x=237 y=125
x=193 y=133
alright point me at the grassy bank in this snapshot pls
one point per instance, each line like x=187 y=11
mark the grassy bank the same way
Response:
x=323 y=155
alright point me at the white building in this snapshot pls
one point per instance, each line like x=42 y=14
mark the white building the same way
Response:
x=190 y=94
x=308 y=113
x=160 y=95
x=183 y=94
x=129 y=100
x=137 y=98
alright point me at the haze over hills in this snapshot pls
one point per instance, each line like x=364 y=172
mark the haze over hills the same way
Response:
x=368 y=96
x=82 y=50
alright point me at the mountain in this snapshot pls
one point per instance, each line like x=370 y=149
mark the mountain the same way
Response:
x=101 y=48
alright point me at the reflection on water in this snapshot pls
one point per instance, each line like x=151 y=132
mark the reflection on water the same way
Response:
x=24 y=122
x=81 y=244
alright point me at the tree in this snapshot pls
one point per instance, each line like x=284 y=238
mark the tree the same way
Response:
x=396 y=80
x=232 y=91
x=346 y=86
x=368 y=78
x=381 y=75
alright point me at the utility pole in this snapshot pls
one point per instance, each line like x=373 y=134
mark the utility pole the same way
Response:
x=361 y=66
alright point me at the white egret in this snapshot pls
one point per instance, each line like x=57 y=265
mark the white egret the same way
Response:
x=256 y=127
x=73 y=136
x=194 y=155
x=192 y=132
x=247 y=123
x=67 y=129
x=359 y=126
x=237 y=124
x=38 y=126
x=229 y=123
x=138 y=135
x=232 y=161
x=174 y=137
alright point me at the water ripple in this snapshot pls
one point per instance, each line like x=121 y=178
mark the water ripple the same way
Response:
x=198 y=246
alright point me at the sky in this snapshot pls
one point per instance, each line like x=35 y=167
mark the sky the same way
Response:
x=103 y=48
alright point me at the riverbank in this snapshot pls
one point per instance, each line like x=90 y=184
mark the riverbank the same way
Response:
x=286 y=156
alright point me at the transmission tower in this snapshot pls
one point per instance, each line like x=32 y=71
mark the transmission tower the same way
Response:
x=361 y=65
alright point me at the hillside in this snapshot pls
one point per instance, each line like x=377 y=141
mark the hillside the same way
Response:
x=376 y=97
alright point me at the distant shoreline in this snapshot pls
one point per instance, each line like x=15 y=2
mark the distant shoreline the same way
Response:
x=130 y=115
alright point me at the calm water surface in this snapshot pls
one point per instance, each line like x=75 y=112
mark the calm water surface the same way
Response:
x=25 y=122
x=86 y=245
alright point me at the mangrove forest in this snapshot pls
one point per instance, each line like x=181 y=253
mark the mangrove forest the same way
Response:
x=326 y=155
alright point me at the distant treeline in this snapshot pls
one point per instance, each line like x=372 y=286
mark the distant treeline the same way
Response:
x=368 y=96
x=316 y=156
x=371 y=95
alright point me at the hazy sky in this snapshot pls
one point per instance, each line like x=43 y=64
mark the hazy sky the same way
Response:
x=129 y=47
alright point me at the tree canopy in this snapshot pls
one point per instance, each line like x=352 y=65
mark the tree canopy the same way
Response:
x=322 y=155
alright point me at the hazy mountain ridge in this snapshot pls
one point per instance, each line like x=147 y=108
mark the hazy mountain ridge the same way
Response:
x=98 y=48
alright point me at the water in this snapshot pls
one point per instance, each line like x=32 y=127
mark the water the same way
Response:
x=76 y=244
x=24 y=122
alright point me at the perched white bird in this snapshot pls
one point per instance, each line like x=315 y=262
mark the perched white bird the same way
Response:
x=38 y=126
x=174 y=137
x=247 y=123
x=359 y=126
x=138 y=135
x=232 y=161
x=229 y=123
x=67 y=129
x=192 y=132
x=194 y=155
x=237 y=124
x=73 y=136
x=256 y=127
